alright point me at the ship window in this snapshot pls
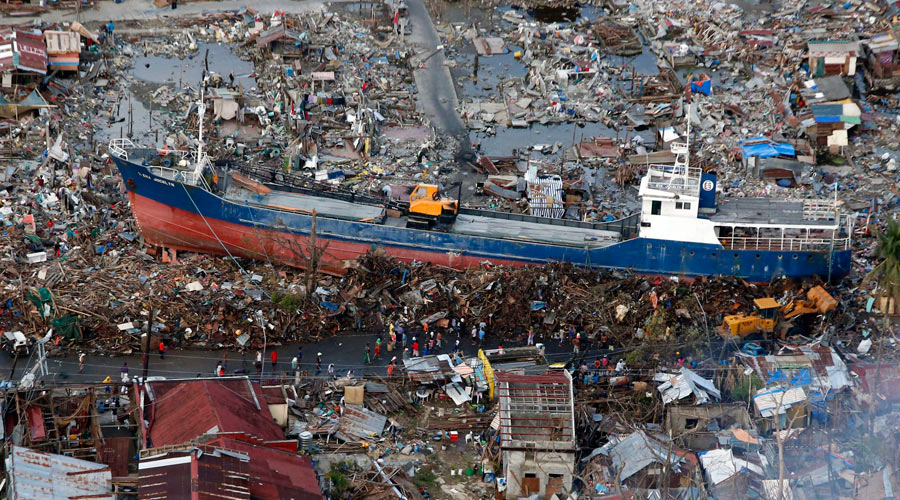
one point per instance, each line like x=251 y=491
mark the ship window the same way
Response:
x=758 y=256
x=655 y=207
x=795 y=256
x=687 y=205
x=678 y=205
x=713 y=254
x=692 y=253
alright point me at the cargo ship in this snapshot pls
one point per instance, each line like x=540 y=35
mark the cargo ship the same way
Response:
x=181 y=200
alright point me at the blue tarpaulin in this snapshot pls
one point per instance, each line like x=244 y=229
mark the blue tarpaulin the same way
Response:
x=799 y=377
x=765 y=148
x=702 y=86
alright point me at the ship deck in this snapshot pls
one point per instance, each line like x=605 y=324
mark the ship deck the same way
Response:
x=474 y=225
x=752 y=211
x=293 y=202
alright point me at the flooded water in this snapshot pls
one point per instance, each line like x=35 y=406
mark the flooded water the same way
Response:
x=150 y=72
x=507 y=139
x=188 y=71
x=481 y=80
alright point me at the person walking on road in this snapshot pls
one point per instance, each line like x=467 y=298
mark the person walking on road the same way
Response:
x=368 y=357
x=220 y=369
x=318 y=363
x=162 y=350
x=258 y=362
x=390 y=368
x=530 y=336
x=294 y=364
x=415 y=348
x=125 y=372
x=81 y=363
x=331 y=370
x=274 y=359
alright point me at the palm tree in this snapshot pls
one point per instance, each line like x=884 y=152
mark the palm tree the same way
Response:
x=887 y=272
x=887 y=275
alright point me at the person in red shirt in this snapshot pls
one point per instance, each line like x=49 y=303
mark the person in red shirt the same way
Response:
x=390 y=370
x=274 y=359
x=596 y=364
x=162 y=350
x=415 y=348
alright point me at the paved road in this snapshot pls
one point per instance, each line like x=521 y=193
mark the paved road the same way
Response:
x=437 y=93
x=345 y=351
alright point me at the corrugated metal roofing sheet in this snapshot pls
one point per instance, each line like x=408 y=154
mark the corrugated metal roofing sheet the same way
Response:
x=358 y=422
x=217 y=475
x=632 y=454
x=779 y=400
x=35 y=475
x=185 y=410
x=276 y=474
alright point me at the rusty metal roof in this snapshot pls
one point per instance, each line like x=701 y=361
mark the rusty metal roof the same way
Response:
x=218 y=474
x=185 y=410
x=35 y=475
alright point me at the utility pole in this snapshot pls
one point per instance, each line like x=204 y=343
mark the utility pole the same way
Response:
x=262 y=324
x=147 y=345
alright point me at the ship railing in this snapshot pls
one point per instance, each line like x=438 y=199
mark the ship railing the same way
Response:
x=176 y=174
x=818 y=209
x=119 y=147
x=785 y=244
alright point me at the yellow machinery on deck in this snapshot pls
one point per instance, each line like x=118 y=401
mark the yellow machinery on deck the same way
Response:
x=769 y=314
x=427 y=206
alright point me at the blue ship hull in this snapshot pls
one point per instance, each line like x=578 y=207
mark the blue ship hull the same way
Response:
x=176 y=215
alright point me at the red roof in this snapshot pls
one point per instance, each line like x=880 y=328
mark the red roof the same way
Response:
x=186 y=410
x=274 y=473
x=888 y=379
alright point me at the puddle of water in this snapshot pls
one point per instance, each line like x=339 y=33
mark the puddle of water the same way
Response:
x=548 y=14
x=142 y=132
x=506 y=139
x=160 y=70
x=222 y=60
x=489 y=71
x=645 y=63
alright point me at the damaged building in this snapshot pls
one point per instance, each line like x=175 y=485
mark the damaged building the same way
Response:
x=537 y=433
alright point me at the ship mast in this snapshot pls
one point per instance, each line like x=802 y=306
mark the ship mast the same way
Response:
x=201 y=111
